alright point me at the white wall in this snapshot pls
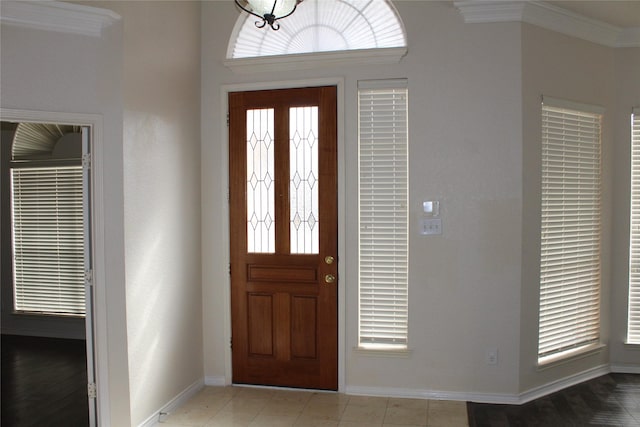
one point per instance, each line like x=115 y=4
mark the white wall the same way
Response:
x=627 y=91
x=50 y=71
x=465 y=150
x=161 y=150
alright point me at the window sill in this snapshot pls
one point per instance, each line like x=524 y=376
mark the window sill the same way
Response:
x=632 y=346
x=383 y=352
x=569 y=356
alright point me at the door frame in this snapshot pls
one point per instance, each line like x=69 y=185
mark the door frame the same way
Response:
x=97 y=322
x=338 y=82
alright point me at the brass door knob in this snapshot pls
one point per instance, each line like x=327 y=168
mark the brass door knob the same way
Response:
x=329 y=278
x=329 y=259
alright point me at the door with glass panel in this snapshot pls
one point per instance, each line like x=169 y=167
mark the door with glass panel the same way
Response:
x=283 y=243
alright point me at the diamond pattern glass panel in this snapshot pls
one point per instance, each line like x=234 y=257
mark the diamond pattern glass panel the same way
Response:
x=260 y=175
x=303 y=179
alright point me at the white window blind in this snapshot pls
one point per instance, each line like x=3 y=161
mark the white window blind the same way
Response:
x=633 y=328
x=570 y=235
x=48 y=240
x=383 y=195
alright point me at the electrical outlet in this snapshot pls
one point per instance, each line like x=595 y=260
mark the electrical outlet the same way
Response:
x=492 y=356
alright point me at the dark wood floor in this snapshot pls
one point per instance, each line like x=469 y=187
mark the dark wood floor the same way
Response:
x=44 y=382
x=610 y=400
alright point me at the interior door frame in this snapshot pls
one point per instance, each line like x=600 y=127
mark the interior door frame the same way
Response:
x=338 y=82
x=97 y=323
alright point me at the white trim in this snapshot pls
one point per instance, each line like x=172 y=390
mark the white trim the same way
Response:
x=570 y=356
x=173 y=404
x=224 y=182
x=550 y=17
x=307 y=61
x=57 y=16
x=216 y=381
x=495 y=398
x=572 y=105
x=433 y=394
x=625 y=369
x=403 y=353
x=101 y=353
x=563 y=383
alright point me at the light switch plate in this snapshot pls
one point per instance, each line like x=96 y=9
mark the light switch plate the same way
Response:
x=430 y=226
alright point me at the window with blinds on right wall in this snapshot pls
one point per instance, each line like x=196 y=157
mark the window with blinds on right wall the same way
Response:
x=570 y=282
x=633 y=318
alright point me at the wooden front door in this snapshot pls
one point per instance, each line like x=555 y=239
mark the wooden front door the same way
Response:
x=283 y=225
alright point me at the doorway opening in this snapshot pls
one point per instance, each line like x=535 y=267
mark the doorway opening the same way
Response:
x=47 y=294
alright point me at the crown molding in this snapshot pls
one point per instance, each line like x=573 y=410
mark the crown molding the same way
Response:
x=551 y=17
x=57 y=16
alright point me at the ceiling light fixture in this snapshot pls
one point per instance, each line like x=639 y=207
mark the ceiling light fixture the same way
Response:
x=269 y=11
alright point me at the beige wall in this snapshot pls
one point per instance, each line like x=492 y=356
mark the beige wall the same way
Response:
x=143 y=77
x=161 y=151
x=563 y=67
x=465 y=150
x=45 y=71
x=627 y=96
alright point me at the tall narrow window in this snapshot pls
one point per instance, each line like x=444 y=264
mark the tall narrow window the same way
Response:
x=383 y=197
x=633 y=328
x=570 y=236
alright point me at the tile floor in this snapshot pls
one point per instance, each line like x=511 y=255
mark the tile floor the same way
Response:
x=247 y=406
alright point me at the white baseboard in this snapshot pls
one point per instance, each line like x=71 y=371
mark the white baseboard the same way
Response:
x=625 y=369
x=174 y=403
x=218 y=381
x=432 y=394
x=563 y=383
x=496 y=398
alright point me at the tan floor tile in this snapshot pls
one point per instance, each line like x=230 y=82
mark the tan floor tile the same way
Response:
x=273 y=421
x=406 y=416
x=364 y=414
x=335 y=398
x=368 y=401
x=213 y=402
x=189 y=416
x=358 y=424
x=230 y=419
x=304 y=421
x=245 y=406
x=407 y=403
x=254 y=393
x=292 y=396
x=283 y=407
x=325 y=411
x=219 y=390
x=401 y=425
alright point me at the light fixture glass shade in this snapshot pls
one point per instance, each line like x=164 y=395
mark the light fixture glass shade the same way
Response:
x=265 y=7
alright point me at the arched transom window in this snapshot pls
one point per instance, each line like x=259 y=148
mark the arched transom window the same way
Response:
x=321 y=26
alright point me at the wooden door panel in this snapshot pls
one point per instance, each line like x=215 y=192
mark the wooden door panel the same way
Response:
x=260 y=323
x=275 y=273
x=284 y=315
x=304 y=333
